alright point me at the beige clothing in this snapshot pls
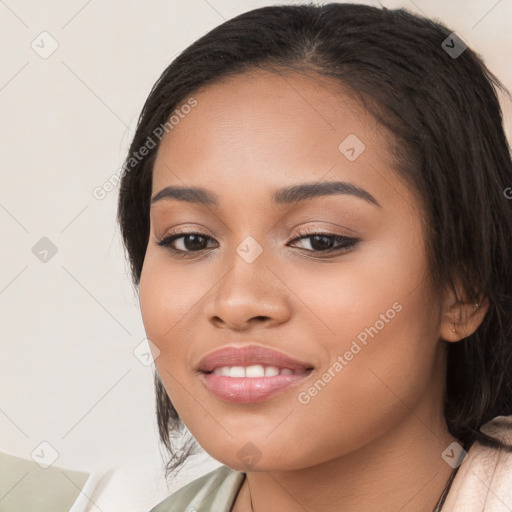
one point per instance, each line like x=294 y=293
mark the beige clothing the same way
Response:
x=483 y=482
x=26 y=486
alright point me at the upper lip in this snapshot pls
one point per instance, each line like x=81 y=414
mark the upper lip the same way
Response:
x=248 y=355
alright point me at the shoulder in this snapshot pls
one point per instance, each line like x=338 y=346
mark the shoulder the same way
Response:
x=484 y=479
x=215 y=491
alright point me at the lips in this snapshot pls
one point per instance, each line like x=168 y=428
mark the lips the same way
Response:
x=252 y=373
x=250 y=355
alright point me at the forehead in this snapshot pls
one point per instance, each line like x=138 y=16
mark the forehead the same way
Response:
x=262 y=130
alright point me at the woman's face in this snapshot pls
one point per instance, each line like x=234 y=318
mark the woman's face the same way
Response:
x=361 y=320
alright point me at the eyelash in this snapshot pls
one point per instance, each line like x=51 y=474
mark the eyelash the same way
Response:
x=346 y=242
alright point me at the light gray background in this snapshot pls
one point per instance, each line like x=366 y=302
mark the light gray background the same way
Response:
x=68 y=375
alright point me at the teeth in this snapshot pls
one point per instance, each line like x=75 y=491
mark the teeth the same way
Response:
x=271 y=371
x=237 y=371
x=256 y=370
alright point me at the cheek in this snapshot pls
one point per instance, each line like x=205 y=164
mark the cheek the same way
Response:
x=167 y=298
x=373 y=311
x=362 y=292
x=171 y=302
x=163 y=308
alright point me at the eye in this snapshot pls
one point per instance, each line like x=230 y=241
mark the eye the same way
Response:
x=326 y=242
x=190 y=242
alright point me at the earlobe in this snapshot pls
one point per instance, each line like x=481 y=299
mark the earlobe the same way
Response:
x=460 y=320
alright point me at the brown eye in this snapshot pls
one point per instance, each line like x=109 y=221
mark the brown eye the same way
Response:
x=324 y=242
x=182 y=244
x=192 y=242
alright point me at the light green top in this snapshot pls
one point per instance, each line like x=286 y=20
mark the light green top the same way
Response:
x=214 y=492
x=27 y=486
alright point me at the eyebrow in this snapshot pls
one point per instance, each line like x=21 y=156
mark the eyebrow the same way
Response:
x=286 y=195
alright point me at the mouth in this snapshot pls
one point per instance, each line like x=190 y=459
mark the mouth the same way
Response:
x=246 y=390
x=251 y=357
x=250 y=373
x=255 y=371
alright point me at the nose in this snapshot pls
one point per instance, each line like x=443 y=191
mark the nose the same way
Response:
x=249 y=295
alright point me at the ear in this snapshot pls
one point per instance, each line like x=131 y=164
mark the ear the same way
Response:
x=460 y=320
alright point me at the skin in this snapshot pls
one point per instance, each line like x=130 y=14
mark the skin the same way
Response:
x=372 y=438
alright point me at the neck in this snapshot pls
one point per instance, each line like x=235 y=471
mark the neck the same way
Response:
x=402 y=469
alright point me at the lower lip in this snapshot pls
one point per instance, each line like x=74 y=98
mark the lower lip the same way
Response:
x=245 y=390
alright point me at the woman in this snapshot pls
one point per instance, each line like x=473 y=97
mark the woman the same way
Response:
x=314 y=209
